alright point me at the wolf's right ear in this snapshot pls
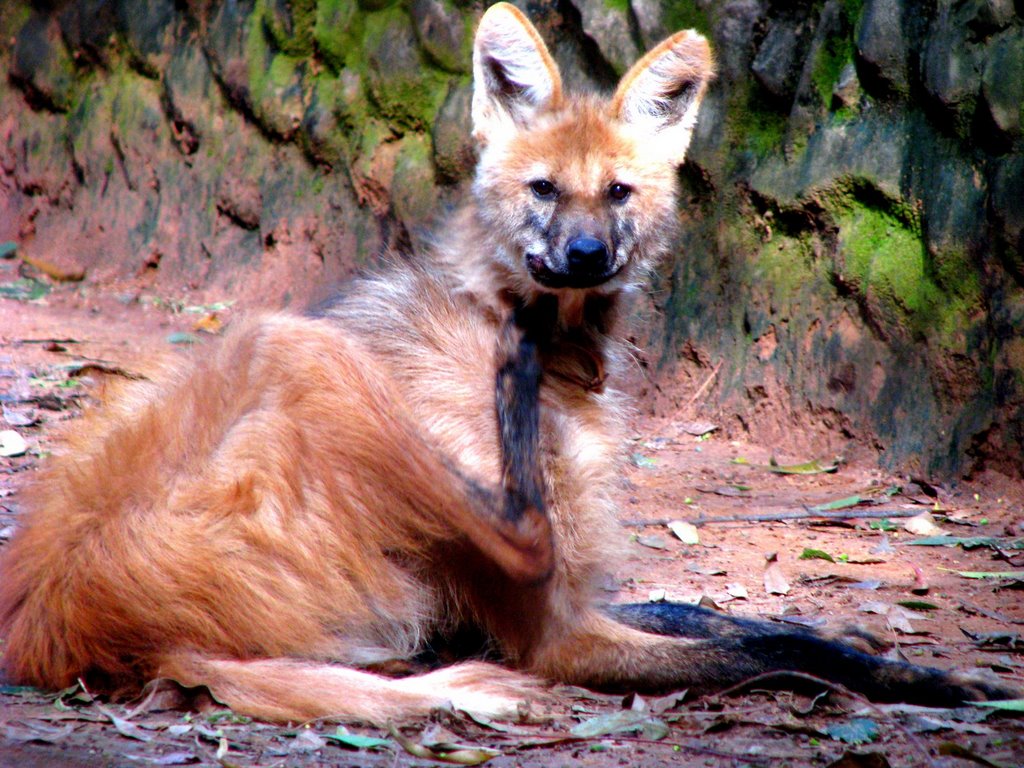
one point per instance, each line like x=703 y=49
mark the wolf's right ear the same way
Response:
x=514 y=76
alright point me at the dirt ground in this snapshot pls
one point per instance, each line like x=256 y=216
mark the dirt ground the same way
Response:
x=859 y=568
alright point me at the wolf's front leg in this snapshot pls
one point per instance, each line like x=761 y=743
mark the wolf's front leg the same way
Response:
x=517 y=402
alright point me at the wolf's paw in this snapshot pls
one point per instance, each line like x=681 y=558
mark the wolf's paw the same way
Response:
x=480 y=690
x=856 y=637
x=983 y=685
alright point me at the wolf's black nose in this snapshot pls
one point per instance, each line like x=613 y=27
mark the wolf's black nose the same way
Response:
x=587 y=255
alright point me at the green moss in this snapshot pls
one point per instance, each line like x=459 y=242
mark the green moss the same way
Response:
x=290 y=28
x=881 y=252
x=835 y=52
x=404 y=91
x=786 y=264
x=258 y=54
x=685 y=14
x=765 y=131
x=958 y=277
x=833 y=55
x=413 y=193
x=373 y=134
x=13 y=17
x=275 y=81
x=852 y=10
x=884 y=256
x=335 y=109
x=451 y=50
x=135 y=104
x=376 y=5
x=845 y=115
x=753 y=125
x=347 y=99
x=337 y=31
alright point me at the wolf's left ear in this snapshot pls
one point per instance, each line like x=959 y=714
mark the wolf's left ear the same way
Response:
x=662 y=92
x=514 y=76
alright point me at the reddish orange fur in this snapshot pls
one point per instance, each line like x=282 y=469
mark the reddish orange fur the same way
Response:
x=316 y=495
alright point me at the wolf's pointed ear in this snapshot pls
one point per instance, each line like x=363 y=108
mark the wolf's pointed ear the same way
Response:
x=514 y=76
x=662 y=92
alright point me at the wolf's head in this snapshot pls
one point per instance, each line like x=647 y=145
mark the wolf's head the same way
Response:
x=579 y=190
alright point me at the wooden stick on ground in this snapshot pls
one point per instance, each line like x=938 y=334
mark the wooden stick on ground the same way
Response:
x=773 y=517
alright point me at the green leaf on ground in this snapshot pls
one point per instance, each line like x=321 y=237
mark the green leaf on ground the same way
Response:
x=24 y=289
x=814 y=467
x=987 y=574
x=624 y=721
x=968 y=542
x=816 y=554
x=182 y=337
x=18 y=690
x=1005 y=705
x=844 y=503
x=859 y=730
x=356 y=741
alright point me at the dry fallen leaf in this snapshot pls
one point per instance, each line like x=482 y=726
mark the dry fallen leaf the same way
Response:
x=897 y=616
x=685 y=532
x=697 y=428
x=24 y=418
x=653 y=542
x=12 y=444
x=210 y=323
x=923 y=525
x=71 y=273
x=459 y=754
x=775 y=581
x=306 y=741
x=737 y=590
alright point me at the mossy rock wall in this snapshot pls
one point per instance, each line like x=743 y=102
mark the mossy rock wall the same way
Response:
x=851 y=260
x=853 y=250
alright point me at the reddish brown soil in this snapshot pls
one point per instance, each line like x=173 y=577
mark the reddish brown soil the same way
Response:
x=673 y=476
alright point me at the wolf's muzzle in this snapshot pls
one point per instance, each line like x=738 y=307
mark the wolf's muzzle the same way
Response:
x=586 y=263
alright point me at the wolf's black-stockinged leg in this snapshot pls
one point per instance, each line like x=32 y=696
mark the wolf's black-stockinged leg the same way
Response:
x=518 y=407
x=750 y=647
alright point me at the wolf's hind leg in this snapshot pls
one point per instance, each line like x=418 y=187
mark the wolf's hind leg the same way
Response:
x=683 y=646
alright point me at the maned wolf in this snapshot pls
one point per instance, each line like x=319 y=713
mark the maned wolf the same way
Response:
x=428 y=456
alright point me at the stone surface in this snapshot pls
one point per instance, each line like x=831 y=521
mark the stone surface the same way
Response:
x=1003 y=83
x=441 y=31
x=41 y=64
x=951 y=68
x=733 y=29
x=454 y=151
x=777 y=63
x=650 y=18
x=609 y=27
x=882 y=45
x=1008 y=213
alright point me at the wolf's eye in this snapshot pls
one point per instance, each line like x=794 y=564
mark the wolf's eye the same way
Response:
x=619 y=192
x=543 y=189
